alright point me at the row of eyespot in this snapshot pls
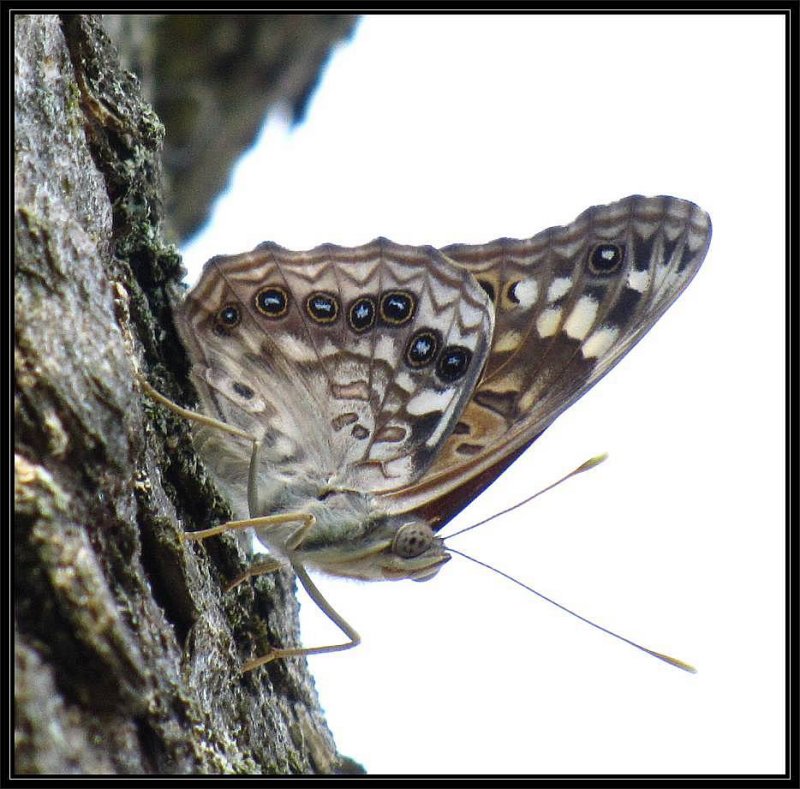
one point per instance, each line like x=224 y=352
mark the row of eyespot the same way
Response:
x=395 y=308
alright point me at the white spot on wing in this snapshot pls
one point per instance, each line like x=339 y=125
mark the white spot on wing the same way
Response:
x=638 y=280
x=547 y=323
x=614 y=231
x=400 y=467
x=467 y=340
x=384 y=349
x=510 y=341
x=679 y=209
x=558 y=287
x=328 y=349
x=700 y=218
x=435 y=437
x=296 y=349
x=404 y=381
x=599 y=342
x=580 y=320
x=526 y=292
x=645 y=229
x=527 y=400
x=429 y=400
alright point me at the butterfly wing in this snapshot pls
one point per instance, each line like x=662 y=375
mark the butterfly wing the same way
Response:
x=569 y=303
x=351 y=366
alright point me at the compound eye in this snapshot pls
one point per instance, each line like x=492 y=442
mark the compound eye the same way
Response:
x=412 y=539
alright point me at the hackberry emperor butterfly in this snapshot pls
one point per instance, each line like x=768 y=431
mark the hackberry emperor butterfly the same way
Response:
x=356 y=399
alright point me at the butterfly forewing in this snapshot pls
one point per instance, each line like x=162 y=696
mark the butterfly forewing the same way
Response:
x=568 y=303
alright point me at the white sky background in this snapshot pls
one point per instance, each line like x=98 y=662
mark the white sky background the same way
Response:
x=433 y=130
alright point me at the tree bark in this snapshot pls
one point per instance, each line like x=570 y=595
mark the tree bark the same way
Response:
x=127 y=653
x=211 y=79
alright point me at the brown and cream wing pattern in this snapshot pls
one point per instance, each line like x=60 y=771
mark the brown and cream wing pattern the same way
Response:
x=350 y=364
x=568 y=304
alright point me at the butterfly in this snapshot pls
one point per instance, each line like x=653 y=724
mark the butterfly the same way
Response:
x=355 y=399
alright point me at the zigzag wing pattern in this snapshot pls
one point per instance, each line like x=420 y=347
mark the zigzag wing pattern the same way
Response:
x=351 y=365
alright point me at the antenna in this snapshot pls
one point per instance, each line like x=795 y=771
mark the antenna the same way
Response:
x=585 y=466
x=589 y=464
x=660 y=655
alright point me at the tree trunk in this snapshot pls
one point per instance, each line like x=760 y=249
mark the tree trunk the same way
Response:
x=127 y=652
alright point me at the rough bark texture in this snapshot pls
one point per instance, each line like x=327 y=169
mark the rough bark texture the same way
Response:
x=127 y=653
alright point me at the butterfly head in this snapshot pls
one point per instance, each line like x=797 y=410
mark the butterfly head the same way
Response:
x=415 y=552
x=387 y=550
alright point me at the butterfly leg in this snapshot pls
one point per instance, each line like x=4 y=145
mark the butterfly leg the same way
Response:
x=202 y=419
x=307 y=522
x=261 y=568
x=328 y=610
x=292 y=543
x=268 y=565
x=192 y=416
